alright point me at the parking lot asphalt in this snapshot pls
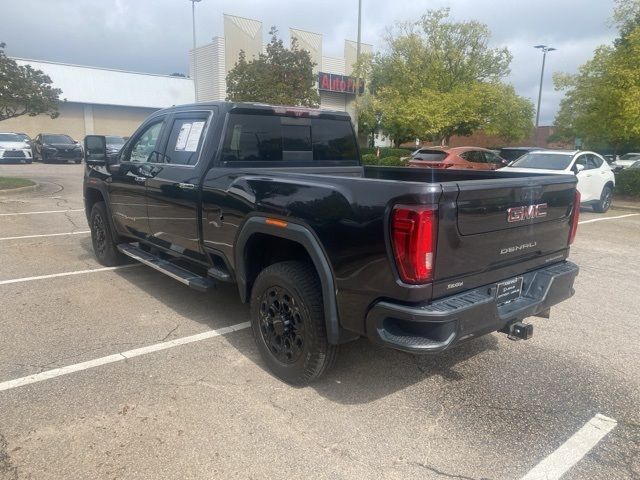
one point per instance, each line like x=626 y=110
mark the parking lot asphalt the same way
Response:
x=489 y=409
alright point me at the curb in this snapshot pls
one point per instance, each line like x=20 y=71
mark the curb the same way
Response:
x=11 y=191
x=627 y=207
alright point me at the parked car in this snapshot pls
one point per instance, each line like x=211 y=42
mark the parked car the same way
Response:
x=625 y=161
x=636 y=164
x=596 y=180
x=275 y=200
x=14 y=149
x=56 y=147
x=513 y=153
x=474 y=158
x=26 y=138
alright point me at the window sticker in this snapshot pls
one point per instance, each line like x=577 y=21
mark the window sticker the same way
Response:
x=194 y=136
x=183 y=137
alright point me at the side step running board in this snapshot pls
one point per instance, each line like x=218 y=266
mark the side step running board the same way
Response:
x=176 y=272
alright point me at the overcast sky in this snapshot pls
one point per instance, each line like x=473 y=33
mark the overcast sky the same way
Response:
x=155 y=35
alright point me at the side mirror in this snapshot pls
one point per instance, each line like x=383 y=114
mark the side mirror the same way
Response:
x=578 y=167
x=95 y=150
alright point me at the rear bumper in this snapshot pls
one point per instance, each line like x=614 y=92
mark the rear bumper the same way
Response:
x=447 y=321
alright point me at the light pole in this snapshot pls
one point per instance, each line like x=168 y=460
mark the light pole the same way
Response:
x=358 y=58
x=544 y=49
x=193 y=20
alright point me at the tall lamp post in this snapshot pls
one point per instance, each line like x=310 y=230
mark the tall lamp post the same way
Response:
x=544 y=49
x=358 y=58
x=193 y=20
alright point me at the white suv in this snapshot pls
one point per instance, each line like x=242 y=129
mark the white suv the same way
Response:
x=595 y=178
x=14 y=149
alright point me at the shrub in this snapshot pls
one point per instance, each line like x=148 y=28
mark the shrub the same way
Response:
x=386 y=152
x=369 y=159
x=628 y=182
x=391 y=162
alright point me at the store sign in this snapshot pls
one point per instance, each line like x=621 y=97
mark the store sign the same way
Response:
x=331 y=82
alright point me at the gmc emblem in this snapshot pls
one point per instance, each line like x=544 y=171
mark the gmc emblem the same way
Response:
x=519 y=214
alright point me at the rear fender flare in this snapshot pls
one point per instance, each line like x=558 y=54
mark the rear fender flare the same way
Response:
x=302 y=235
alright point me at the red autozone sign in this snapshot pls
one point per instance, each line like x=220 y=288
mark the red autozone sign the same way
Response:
x=338 y=83
x=519 y=214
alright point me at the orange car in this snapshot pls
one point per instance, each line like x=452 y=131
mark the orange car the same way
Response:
x=457 y=157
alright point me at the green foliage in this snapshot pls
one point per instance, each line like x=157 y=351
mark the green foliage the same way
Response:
x=387 y=151
x=628 y=182
x=24 y=90
x=439 y=78
x=390 y=161
x=280 y=76
x=602 y=101
x=369 y=159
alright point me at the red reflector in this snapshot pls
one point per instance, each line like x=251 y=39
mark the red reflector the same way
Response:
x=413 y=230
x=575 y=217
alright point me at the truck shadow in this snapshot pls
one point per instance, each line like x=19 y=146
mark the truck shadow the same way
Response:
x=363 y=372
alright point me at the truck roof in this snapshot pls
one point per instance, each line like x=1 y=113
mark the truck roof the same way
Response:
x=280 y=109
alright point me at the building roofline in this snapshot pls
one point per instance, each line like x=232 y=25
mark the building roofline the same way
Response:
x=100 y=68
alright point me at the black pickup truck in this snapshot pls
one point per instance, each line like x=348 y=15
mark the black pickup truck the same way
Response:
x=325 y=250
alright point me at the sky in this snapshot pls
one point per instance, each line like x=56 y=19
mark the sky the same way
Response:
x=155 y=35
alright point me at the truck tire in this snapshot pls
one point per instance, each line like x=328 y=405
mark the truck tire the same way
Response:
x=287 y=319
x=103 y=245
x=605 y=200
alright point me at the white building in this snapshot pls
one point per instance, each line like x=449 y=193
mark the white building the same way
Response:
x=215 y=59
x=101 y=100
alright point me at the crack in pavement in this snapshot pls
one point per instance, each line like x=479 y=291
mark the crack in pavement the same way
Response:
x=442 y=473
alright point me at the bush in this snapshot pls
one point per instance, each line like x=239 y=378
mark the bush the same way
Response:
x=386 y=152
x=628 y=182
x=369 y=159
x=391 y=162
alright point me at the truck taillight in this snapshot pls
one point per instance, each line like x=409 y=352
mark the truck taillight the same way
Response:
x=575 y=216
x=413 y=234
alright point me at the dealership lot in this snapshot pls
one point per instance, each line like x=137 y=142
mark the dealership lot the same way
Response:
x=492 y=408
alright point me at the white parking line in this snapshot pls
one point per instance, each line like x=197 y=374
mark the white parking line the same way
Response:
x=118 y=357
x=608 y=218
x=65 y=274
x=45 y=235
x=572 y=451
x=45 y=211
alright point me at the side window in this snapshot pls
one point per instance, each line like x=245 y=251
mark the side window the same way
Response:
x=185 y=140
x=143 y=149
x=594 y=162
x=491 y=157
x=581 y=160
x=475 y=156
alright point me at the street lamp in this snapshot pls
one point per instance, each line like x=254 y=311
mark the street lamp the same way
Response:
x=358 y=69
x=193 y=19
x=544 y=49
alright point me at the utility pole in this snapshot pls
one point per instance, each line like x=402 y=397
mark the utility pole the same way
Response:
x=193 y=20
x=544 y=49
x=358 y=58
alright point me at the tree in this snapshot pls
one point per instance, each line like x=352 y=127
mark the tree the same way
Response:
x=439 y=78
x=280 y=76
x=25 y=90
x=602 y=101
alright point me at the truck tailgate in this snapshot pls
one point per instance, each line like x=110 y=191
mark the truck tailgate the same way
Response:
x=501 y=228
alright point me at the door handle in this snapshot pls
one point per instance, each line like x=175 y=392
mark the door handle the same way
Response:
x=186 y=186
x=140 y=179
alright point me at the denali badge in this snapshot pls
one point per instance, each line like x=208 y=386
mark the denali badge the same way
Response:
x=519 y=214
x=517 y=248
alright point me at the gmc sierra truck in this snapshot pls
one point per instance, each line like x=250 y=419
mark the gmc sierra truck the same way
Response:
x=325 y=250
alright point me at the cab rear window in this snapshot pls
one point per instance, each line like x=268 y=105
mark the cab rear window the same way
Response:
x=272 y=138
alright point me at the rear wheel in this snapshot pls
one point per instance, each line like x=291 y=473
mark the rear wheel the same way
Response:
x=605 y=200
x=103 y=245
x=287 y=319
